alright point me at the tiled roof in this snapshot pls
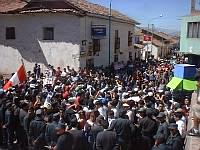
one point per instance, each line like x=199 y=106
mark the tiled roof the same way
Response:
x=10 y=5
x=100 y=10
x=7 y=6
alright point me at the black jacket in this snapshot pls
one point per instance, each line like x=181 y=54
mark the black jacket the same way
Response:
x=107 y=140
x=175 y=142
x=51 y=136
x=124 y=129
x=37 y=130
x=148 y=126
x=9 y=119
x=160 y=147
x=79 y=140
x=163 y=129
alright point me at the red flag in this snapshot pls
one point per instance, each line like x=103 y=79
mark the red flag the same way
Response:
x=18 y=77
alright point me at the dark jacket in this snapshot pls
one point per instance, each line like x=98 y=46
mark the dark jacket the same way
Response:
x=64 y=142
x=124 y=129
x=160 y=147
x=51 y=136
x=148 y=126
x=26 y=122
x=107 y=140
x=37 y=130
x=22 y=114
x=175 y=142
x=9 y=119
x=79 y=140
x=163 y=129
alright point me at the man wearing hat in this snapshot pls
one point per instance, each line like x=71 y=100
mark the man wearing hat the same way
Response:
x=174 y=141
x=148 y=127
x=50 y=134
x=163 y=126
x=124 y=130
x=37 y=131
x=65 y=140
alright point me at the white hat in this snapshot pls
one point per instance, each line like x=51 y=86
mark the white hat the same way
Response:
x=135 y=89
x=150 y=93
x=126 y=105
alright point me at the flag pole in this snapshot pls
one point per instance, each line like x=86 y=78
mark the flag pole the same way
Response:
x=24 y=67
x=22 y=62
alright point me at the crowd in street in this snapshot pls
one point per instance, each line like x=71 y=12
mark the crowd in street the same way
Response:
x=127 y=107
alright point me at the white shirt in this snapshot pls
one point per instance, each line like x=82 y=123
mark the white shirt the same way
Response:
x=181 y=127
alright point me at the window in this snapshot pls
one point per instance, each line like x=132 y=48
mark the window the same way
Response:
x=117 y=42
x=115 y=58
x=129 y=38
x=10 y=33
x=96 y=45
x=116 y=33
x=130 y=55
x=48 y=33
x=193 y=30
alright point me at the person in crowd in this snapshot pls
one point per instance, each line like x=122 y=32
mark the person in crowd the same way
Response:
x=124 y=130
x=50 y=133
x=163 y=126
x=160 y=142
x=174 y=141
x=79 y=139
x=107 y=140
x=148 y=127
x=131 y=101
x=65 y=140
x=37 y=131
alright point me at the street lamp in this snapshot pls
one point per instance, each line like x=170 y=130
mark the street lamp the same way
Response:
x=161 y=15
x=109 y=38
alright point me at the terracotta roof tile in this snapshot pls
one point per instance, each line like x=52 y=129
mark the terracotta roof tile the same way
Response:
x=10 y=5
x=13 y=5
x=101 y=10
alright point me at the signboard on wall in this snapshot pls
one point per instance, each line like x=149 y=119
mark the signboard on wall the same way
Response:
x=98 y=31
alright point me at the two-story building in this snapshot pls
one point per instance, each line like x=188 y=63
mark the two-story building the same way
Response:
x=156 y=43
x=190 y=35
x=62 y=33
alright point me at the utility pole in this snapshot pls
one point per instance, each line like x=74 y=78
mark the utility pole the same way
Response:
x=109 y=50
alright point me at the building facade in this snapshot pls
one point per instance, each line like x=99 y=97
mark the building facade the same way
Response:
x=190 y=35
x=62 y=33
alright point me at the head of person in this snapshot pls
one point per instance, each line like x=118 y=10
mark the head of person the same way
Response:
x=173 y=128
x=187 y=101
x=161 y=117
x=74 y=122
x=110 y=114
x=39 y=113
x=161 y=107
x=60 y=129
x=92 y=116
x=178 y=115
x=142 y=112
x=55 y=117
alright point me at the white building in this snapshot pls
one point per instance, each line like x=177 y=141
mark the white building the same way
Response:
x=61 y=33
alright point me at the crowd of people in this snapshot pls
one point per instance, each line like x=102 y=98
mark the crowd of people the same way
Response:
x=94 y=109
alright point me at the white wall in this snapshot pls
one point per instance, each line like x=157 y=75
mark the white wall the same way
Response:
x=152 y=49
x=103 y=58
x=30 y=46
x=64 y=50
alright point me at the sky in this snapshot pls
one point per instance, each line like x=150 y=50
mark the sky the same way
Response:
x=144 y=11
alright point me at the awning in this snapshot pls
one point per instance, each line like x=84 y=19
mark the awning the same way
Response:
x=182 y=84
x=175 y=83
